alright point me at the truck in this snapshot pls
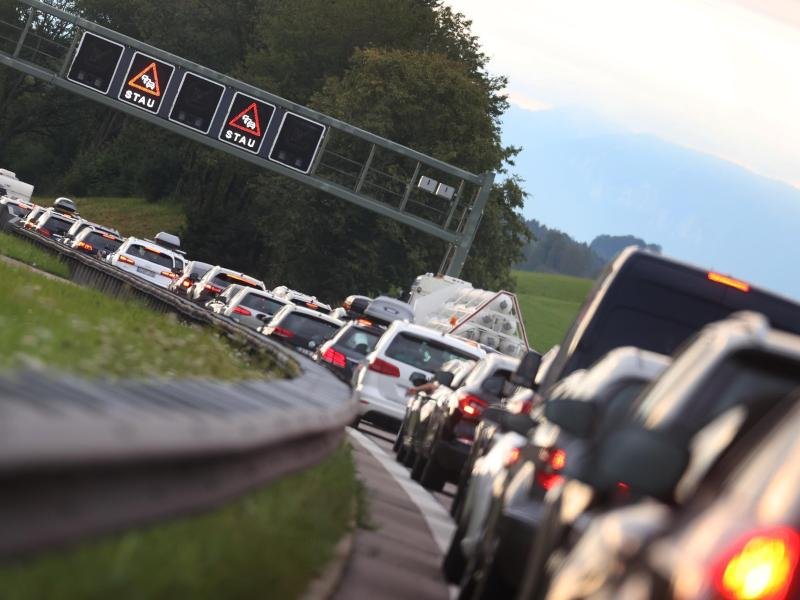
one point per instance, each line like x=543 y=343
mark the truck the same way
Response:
x=13 y=188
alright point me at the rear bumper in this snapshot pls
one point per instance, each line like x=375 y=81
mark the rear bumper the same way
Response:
x=374 y=408
x=516 y=530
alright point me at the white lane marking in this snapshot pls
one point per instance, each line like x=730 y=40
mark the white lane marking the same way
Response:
x=436 y=517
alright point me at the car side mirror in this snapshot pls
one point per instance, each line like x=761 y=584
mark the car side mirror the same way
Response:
x=527 y=369
x=576 y=417
x=649 y=461
x=418 y=379
x=444 y=377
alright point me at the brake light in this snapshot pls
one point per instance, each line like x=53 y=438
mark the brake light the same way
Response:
x=365 y=322
x=169 y=274
x=312 y=306
x=108 y=236
x=471 y=407
x=187 y=283
x=384 y=368
x=513 y=457
x=554 y=460
x=213 y=288
x=242 y=311
x=336 y=358
x=45 y=231
x=124 y=259
x=282 y=332
x=760 y=566
x=84 y=246
x=729 y=281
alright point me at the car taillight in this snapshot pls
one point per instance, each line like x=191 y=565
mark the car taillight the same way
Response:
x=242 y=311
x=45 y=231
x=213 y=288
x=187 y=283
x=471 y=407
x=169 y=274
x=84 y=246
x=124 y=259
x=513 y=457
x=554 y=459
x=336 y=358
x=759 y=566
x=282 y=332
x=383 y=367
x=729 y=281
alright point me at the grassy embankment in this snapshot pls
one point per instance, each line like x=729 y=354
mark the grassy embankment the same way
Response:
x=549 y=304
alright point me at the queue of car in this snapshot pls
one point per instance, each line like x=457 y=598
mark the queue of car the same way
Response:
x=652 y=454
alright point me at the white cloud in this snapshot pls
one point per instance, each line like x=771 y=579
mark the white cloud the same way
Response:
x=713 y=75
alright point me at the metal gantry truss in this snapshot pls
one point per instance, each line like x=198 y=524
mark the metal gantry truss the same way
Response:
x=350 y=163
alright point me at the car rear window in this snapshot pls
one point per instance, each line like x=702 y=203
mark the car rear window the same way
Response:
x=150 y=255
x=358 y=340
x=308 y=326
x=101 y=242
x=57 y=225
x=198 y=272
x=223 y=280
x=422 y=353
x=262 y=303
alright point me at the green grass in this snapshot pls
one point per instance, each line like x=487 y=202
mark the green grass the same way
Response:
x=266 y=545
x=131 y=216
x=23 y=251
x=549 y=304
x=49 y=322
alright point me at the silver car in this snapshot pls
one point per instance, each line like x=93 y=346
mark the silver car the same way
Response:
x=252 y=308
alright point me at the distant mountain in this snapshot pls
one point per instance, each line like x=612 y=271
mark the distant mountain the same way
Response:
x=586 y=178
x=553 y=251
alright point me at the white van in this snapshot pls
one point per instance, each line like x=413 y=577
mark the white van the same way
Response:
x=406 y=350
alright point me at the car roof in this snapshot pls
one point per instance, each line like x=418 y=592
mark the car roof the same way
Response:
x=290 y=307
x=434 y=335
x=152 y=244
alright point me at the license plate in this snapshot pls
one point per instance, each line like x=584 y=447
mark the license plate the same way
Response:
x=147 y=272
x=305 y=351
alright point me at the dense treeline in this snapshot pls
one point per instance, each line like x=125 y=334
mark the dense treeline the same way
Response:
x=409 y=70
x=553 y=251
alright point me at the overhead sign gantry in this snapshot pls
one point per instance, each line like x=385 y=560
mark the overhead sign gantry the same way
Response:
x=255 y=125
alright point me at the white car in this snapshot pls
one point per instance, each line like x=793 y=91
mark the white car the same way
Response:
x=406 y=350
x=301 y=299
x=149 y=261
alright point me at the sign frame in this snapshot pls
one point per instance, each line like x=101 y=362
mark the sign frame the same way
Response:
x=316 y=150
x=77 y=53
x=125 y=80
x=264 y=127
x=178 y=93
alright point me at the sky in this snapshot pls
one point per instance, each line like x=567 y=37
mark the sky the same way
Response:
x=717 y=76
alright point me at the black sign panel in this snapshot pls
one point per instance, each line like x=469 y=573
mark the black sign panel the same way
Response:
x=297 y=142
x=197 y=102
x=146 y=82
x=247 y=123
x=95 y=62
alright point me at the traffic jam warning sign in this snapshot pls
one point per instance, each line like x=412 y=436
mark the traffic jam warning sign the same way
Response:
x=246 y=123
x=95 y=62
x=146 y=81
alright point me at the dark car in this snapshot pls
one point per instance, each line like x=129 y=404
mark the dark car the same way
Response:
x=96 y=242
x=349 y=346
x=303 y=329
x=192 y=273
x=443 y=445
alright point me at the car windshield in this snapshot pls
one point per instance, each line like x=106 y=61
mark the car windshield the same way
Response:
x=308 y=326
x=262 y=304
x=57 y=225
x=358 y=340
x=151 y=255
x=422 y=353
x=223 y=280
x=101 y=241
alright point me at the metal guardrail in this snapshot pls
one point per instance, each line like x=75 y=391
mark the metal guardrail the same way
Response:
x=80 y=458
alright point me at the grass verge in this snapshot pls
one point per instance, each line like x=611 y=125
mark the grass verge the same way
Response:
x=269 y=544
x=549 y=304
x=82 y=331
x=23 y=251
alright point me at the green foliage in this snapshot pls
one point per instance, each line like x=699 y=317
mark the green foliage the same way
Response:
x=23 y=251
x=269 y=544
x=549 y=304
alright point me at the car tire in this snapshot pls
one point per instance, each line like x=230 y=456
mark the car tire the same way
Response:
x=433 y=476
x=419 y=466
x=410 y=458
x=454 y=563
x=401 y=454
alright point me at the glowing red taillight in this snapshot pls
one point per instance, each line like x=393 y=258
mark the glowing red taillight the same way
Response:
x=169 y=274
x=554 y=459
x=84 y=246
x=759 y=566
x=187 y=283
x=383 y=367
x=45 y=232
x=242 y=311
x=124 y=259
x=282 y=332
x=336 y=358
x=213 y=288
x=471 y=407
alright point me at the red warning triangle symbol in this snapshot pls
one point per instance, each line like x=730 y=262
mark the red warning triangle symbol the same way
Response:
x=248 y=120
x=147 y=81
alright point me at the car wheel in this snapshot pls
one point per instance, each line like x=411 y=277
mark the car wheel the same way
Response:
x=401 y=454
x=432 y=476
x=454 y=562
x=419 y=466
